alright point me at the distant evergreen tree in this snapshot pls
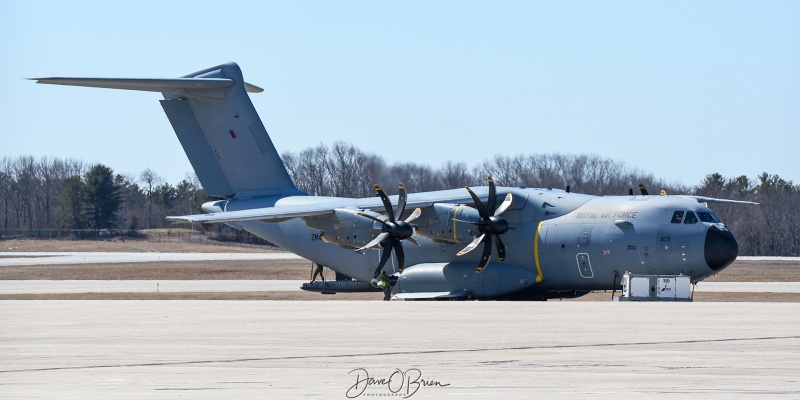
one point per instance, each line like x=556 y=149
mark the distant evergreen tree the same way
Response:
x=165 y=195
x=71 y=203
x=133 y=226
x=102 y=197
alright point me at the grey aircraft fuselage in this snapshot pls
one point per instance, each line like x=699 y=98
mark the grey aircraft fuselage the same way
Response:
x=555 y=243
x=568 y=241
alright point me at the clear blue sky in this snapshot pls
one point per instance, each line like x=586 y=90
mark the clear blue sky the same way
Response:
x=677 y=89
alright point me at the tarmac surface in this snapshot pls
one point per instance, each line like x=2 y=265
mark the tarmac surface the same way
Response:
x=419 y=350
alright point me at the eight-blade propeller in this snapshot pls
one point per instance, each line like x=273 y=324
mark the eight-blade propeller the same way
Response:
x=490 y=226
x=393 y=230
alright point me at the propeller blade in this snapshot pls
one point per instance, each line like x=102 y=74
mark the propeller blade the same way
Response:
x=643 y=190
x=501 y=248
x=489 y=226
x=401 y=203
x=478 y=204
x=401 y=257
x=386 y=203
x=492 y=197
x=472 y=245
x=385 y=255
x=374 y=242
x=504 y=205
x=412 y=240
x=381 y=219
x=394 y=230
x=417 y=212
x=487 y=254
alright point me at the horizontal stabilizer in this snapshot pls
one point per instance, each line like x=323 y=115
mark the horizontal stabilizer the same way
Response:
x=148 y=84
x=277 y=214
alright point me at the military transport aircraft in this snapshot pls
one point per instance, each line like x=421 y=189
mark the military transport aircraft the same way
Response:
x=535 y=243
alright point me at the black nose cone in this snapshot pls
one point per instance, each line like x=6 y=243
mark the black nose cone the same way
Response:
x=720 y=248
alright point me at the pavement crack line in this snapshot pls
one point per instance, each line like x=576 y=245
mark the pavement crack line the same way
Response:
x=393 y=353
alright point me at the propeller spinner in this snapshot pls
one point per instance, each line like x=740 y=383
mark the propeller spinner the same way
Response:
x=393 y=229
x=491 y=225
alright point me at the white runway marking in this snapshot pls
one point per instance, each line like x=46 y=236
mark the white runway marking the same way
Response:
x=54 y=258
x=147 y=286
x=751 y=287
x=761 y=258
x=144 y=286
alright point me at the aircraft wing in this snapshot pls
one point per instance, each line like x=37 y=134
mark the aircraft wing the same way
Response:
x=702 y=199
x=281 y=213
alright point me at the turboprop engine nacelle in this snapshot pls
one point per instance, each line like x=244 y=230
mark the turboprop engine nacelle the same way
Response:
x=448 y=223
x=345 y=228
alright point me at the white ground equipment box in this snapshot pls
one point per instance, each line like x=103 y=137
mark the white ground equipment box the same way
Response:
x=655 y=288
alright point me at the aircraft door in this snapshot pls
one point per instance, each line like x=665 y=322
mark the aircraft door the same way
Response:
x=540 y=256
x=584 y=265
x=553 y=251
x=672 y=245
x=542 y=253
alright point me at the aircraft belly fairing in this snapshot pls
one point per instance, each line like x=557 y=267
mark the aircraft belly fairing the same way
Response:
x=460 y=279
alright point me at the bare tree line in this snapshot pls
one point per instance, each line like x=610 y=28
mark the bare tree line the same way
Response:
x=50 y=194
x=344 y=170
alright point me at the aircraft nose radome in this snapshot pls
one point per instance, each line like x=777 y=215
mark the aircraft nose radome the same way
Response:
x=721 y=248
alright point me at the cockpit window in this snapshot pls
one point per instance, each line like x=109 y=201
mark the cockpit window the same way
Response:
x=690 y=218
x=677 y=217
x=707 y=217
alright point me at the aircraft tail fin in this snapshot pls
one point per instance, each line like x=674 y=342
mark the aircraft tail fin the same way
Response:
x=218 y=127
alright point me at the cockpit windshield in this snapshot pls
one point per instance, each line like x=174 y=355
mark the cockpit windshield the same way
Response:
x=689 y=217
x=708 y=217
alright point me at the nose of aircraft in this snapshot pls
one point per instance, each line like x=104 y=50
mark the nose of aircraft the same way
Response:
x=720 y=248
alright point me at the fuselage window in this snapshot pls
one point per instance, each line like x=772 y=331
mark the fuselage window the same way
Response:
x=677 y=217
x=707 y=217
x=690 y=218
